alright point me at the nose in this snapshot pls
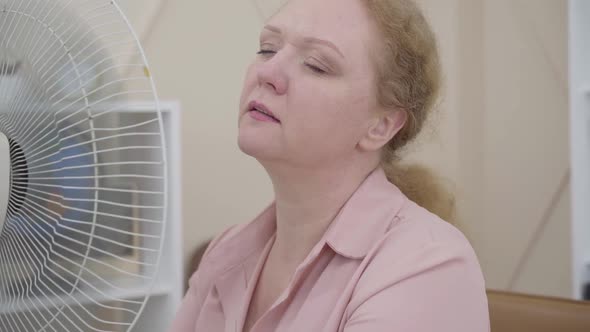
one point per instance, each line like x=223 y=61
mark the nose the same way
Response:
x=272 y=74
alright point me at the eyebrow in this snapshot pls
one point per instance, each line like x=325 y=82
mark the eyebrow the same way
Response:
x=308 y=40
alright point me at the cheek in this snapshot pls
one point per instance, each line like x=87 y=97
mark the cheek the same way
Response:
x=329 y=117
x=337 y=104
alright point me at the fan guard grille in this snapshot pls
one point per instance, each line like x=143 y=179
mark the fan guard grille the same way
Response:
x=82 y=239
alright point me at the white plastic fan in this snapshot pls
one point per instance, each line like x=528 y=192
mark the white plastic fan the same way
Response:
x=82 y=183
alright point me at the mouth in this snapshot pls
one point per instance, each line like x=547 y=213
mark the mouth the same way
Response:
x=261 y=112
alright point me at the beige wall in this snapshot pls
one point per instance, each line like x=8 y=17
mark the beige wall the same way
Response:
x=525 y=141
x=501 y=136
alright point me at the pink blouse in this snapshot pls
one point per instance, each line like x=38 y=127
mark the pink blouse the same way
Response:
x=384 y=264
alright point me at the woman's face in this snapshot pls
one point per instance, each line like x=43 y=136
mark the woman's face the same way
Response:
x=315 y=76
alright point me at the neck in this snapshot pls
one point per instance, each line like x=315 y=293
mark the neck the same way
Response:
x=307 y=200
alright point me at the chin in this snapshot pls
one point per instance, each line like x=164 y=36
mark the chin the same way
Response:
x=254 y=145
x=246 y=145
x=256 y=141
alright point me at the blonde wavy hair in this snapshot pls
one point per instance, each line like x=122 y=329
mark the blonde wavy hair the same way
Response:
x=409 y=78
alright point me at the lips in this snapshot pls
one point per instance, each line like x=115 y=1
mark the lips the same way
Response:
x=262 y=110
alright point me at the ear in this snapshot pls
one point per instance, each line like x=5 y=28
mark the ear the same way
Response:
x=382 y=129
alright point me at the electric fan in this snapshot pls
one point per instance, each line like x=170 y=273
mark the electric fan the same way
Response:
x=82 y=180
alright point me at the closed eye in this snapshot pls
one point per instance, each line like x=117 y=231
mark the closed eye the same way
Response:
x=316 y=69
x=265 y=52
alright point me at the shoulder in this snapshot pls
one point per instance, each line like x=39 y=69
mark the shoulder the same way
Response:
x=421 y=251
x=423 y=275
x=416 y=229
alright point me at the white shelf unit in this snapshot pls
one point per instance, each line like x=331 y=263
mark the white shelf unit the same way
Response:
x=579 y=76
x=167 y=289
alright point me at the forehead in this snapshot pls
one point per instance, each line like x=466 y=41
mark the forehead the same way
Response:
x=346 y=23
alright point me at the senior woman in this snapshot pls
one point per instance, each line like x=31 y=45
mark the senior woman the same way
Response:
x=353 y=241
